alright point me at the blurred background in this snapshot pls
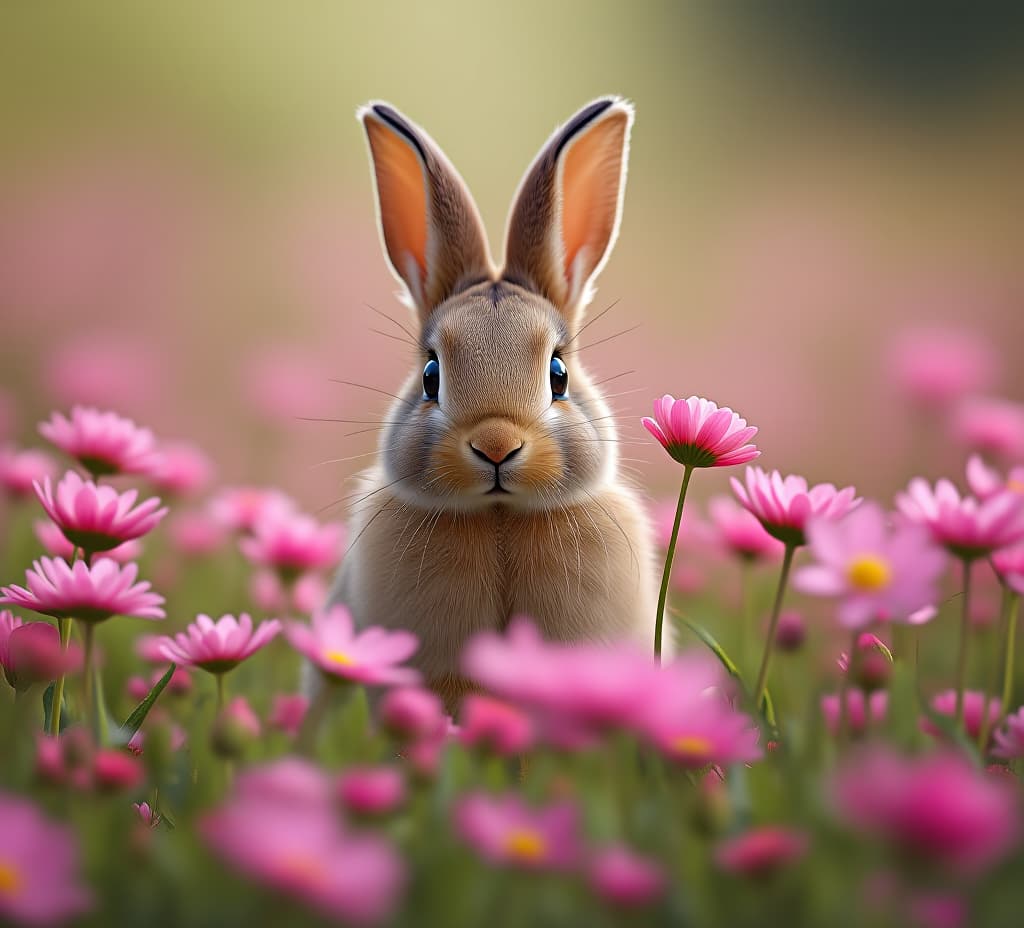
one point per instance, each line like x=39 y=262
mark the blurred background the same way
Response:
x=823 y=212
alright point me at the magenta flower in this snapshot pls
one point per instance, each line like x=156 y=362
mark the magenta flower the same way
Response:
x=761 y=852
x=986 y=482
x=877 y=573
x=87 y=593
x=1010 y=738
x=288 y=712
x=696 y=433
x=97 y=518
x=371 y=790
x=495 y=726
x=31 y=653
x=341 y=653
x=1009 y=564
x=292 y=544
x=181 y=469
x=56 y=544
x=412 y=714
x=504 y=830
x=39 y=883
x=240 y=509
x=220 y=646
x=624 y=878
x=235 y=728
x=739 y=531
x=936 y=808
x=784 y=504
x=19 y=470
x=963 y=525
x=863 y=711
x=102 y=442
x=978 y=709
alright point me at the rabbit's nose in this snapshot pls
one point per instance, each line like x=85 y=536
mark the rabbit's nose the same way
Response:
x=495 y=441
x=495 y=455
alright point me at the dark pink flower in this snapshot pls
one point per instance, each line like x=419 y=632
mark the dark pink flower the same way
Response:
x=696 y=433
x=1009 y=739
x=863 y=711
x=39 y=882
x=784 y=504
x=976 y=706
x=293 y=544
x=220 y=646
x=19 y=470
x=102 y=442
x=411 y=713
x=370 y=657
x=56 y=544
x=87 y=593
x=371 y=790
x=114 y=770
x=624 y=878
x=97 y=518
x=761 y=851
x=288 y=712
x=31 y=653
x=504 y=830
x=873 y=665
x=739 y=531
x=495 y=725
x=791 y=631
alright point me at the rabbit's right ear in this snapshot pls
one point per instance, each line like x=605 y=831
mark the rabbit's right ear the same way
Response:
x=431 y=228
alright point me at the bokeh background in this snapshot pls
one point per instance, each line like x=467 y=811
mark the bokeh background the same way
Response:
x=187 y=231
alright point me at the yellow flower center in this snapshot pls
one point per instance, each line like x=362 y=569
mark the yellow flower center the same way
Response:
x=693 y=746
x=340 y=658
x=869 y=572
x=1015 y=486
x=525 y=844
x=10 y=879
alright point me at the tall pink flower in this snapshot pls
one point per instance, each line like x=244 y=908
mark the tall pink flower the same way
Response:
x=31 y=653
x=696 y=433
x=963 y=525
x=370 y=657
x=87 y=593
x=102 y=442
x=936 y=808
x=56 y=544
x=97 y=518
x=986 y=482
x=784 y=504
x=877 y=573
x=20 y=469
x=39 y=881
x=293 y=544
x=740 y=532
x=220 y=646
x=505 y=830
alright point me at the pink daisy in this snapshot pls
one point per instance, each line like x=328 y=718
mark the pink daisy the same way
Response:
x=963 y=525
x=56 y=544
x=696 y=433
x=241 y=508
x=739 y=531
x=505 y=830
x=1010 y=738
x=341 y=653
x=220 y=646
x=624 y=878
x=978 y=709
x=986 y=482
x=371 y=790
x=102 y=442
x=1009 y=564
x=292 y=544
x=87 y=593
x=19 y=470
x=495 y=725
x=876 y=573
x=784 y=504
x=97 y=518
x=762 y=851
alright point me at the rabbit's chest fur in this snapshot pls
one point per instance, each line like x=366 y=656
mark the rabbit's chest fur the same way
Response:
x=580 y=572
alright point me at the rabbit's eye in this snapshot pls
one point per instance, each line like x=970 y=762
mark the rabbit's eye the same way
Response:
x=431 y=378
x=559 y=378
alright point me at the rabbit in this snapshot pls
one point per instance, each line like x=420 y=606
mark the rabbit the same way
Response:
x=496 y=491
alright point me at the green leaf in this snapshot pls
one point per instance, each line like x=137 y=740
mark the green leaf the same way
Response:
x=134 y=721
x=48 y=706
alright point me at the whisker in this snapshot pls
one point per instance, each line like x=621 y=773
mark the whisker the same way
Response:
x=601 y=341
x=616 y=377
x=344 y=421
x=363 y=386
x=397 y=338
x=392 y=320
x=590 y=322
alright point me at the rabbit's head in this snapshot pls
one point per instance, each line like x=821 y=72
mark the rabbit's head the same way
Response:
x=498 y=409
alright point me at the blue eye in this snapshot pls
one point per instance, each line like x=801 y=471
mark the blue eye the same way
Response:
x=559 y=378
x=431 y=378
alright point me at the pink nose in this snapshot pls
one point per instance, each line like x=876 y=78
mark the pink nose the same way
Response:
x=495 y=455
x=495 y=440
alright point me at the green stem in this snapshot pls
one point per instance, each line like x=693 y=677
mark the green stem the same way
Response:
x=1011 y=644
x=992 y=683
x=965 y=630
x=220 y=691
x=87 y=637
x=780 y=592
x=64 y=626
x=844 y=691
x=746 y=611
x=669 y=557
x=314 y=719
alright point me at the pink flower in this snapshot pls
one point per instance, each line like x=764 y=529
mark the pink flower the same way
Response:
x=87 y=593
x=102 y=442
x=146 y=815
x=784 y=504
x=877 y=573
x=369 y=657
x=985 y=482
x=976 y=707
x=181 y=469
x=114 y=770
x=97 y=518
x=196 y=533
x=873 y=665
x=235 y=728
x=991 y=425
x=56 y=544
x=504 y=830
x=39 y=883
x=1009 y=564
x=862 y=711
x=220 y=646
x=371 y=790
x=241 y=508
x=740 y=532
x=31 y=653
x=696 y=433
x=936 y=807
x=791 y=631
x=19 y=470
x=411 y=713
x=938 y=365
x=963 y=525
x=495 y=725
x=624 y=878
x=292 y=544
x=762 y=851
x=1010 y=738
x=288 y=712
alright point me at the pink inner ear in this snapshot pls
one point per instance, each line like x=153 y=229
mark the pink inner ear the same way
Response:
x=403 y=201
x=591 y=173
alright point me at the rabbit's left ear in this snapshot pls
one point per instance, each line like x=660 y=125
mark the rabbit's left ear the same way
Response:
x=565 y=217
